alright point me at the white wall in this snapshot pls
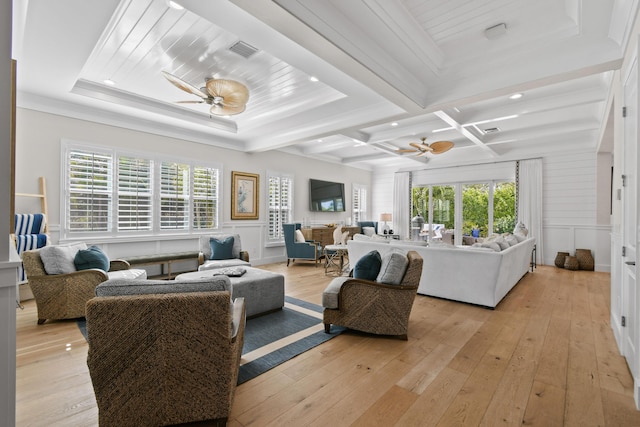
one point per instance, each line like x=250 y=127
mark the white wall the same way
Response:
x=38 y=153
x=570 y=206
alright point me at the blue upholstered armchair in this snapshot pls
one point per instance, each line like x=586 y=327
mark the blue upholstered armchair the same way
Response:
x=297 y=247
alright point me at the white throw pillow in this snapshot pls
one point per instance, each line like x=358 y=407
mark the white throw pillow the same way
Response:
x=369 y=231
x=299 y=237
x=58 y=259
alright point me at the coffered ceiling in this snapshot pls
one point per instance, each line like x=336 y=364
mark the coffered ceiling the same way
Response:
x=344 y=81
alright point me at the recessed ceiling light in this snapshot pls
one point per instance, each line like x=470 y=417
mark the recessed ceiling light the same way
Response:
x=174 y=5
x=314 y=79
x=516 y=96
x=109 y=82
x=394 y=124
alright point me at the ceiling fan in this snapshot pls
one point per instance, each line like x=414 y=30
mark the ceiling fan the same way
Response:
x=423 y=148
x=226 y=97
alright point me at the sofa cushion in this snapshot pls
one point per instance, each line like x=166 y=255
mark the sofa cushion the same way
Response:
x=368 y=231
x=392 y=269
x=368 y=266
x=221 y=248
x=130 y=274
x=92 y=257
x=223 y=263
x=299 y=237
x=492 y=245
x=120 y=287
x=58 y=259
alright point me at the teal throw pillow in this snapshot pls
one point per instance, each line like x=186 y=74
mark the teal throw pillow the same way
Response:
x=221 y=248
x=92 y=257
x=368 y=266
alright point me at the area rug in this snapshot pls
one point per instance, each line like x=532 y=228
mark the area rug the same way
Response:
x=274 y=338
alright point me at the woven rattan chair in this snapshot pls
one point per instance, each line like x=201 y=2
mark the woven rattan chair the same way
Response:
x=374 y=307
x=63 y=296
x=164 y=359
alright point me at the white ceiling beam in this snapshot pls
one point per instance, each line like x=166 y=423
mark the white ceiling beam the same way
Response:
x=464 y=131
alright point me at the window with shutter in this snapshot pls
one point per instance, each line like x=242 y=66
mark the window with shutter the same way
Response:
x=174 y=196
x=88 y=206
x=135 y=192
x=280 y=204
x=359 y=203
x=205 y=198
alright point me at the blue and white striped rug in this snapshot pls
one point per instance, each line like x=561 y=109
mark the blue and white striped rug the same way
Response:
x=274 y=338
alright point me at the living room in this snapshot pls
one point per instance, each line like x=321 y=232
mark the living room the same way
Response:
x=579 y=192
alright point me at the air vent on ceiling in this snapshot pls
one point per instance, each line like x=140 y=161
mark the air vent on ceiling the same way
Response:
x=243 y=49
x=491 y=130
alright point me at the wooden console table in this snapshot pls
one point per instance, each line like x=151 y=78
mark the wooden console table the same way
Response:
x=324 y=235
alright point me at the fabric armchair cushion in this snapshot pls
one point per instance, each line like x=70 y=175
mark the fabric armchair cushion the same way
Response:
x=120 y=287
x=368 y=266
x=58 y=259
x=222 y=248
x=205 y=244
x=392 y=269
x=92 y=257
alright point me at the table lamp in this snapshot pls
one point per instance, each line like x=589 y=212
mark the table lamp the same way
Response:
x=384 y=217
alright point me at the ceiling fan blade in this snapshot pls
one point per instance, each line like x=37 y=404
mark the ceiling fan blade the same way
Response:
x=181 y=84
x=440 y=147
x=191 y=102
x=234 y=93
x=225 y=110
x=405 y=150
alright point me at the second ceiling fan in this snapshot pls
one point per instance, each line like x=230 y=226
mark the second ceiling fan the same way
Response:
x=422 y=148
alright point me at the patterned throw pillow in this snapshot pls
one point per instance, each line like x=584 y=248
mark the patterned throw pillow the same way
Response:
x=221 y=248
x=368 y=266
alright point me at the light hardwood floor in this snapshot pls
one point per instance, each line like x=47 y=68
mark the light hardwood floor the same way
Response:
x=545 y=357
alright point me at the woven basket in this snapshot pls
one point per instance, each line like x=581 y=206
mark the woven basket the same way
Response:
x=559 y=261
x=585 y=259
x=571 y=263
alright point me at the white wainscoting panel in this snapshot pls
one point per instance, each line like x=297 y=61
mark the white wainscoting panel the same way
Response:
x=568 y=238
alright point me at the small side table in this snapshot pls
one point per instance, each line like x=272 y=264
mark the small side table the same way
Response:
x=334 y=256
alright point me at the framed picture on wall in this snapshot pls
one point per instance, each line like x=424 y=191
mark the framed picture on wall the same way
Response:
x=245 y=188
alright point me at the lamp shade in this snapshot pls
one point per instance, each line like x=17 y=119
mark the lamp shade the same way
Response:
x=385 y=217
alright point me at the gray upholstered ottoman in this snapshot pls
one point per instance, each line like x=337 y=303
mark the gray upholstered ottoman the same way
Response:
x=263 y=291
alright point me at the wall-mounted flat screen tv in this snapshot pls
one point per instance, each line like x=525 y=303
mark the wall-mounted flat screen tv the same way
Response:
x=326 y=196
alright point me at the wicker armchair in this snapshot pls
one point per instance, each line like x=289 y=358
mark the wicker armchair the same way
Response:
x=63 y=296
x=164 y=359
x=374 y=307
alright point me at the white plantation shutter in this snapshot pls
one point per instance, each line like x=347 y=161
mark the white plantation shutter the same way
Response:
x=90 y=187
x=135 y=193
x=280 y=205
x=205 y=197
x=174 y=196
x=359 y=202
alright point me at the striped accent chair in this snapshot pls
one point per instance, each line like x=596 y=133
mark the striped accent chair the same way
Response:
x=29 y=236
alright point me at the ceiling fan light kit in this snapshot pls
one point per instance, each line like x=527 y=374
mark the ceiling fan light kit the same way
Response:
x=226 y=97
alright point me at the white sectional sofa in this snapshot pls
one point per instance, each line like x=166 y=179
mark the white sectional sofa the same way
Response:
x=471 y=275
